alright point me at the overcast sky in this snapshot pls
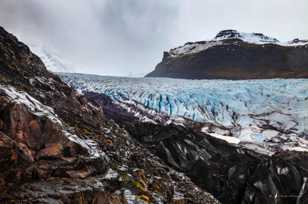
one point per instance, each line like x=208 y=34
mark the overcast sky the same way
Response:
x=128 y=37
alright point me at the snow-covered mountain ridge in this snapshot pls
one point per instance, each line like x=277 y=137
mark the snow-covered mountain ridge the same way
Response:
x=237 y=56
x=225 y=36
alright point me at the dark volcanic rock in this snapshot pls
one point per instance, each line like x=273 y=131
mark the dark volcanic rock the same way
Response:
x=231 y=56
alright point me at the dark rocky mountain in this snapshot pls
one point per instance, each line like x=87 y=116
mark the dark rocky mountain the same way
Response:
x=235 y=55
x=57 y=146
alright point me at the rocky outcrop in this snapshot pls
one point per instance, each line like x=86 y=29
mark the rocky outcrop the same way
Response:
x=233 y=174
x=234 y=55
x=56 y=146
x=35 y=145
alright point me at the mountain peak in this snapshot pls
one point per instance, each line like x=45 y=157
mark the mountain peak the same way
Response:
x=257 y=38
x=227 y=34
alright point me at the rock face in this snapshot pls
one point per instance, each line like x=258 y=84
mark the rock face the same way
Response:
x=56 y=146
x=234 y=55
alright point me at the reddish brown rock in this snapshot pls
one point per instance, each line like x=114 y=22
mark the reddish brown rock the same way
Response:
x=27 y=153
x=108 y=198
x=6 y=150
x=80 y=173
x=35 y=133
x=51 y=151
x=1 y=124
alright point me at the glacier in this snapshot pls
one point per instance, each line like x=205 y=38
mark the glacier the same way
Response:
x=255 y=111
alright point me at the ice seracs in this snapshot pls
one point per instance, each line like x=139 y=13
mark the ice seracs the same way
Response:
x=266 y=114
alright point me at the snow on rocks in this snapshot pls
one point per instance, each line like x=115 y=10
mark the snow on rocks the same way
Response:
x=229 y=139
x=34 y=106
x=111 y=174
x=190 y=48
x=40 y=110
x=255 y=38
x=225 y=35
x=90 y=145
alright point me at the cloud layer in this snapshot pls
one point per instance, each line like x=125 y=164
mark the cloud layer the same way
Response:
x=119 y=37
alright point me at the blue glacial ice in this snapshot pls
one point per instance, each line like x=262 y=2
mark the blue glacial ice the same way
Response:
x=255 y=110
x=202 y=100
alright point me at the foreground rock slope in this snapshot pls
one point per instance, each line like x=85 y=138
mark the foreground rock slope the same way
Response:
x=235 y=55
x=56 y=146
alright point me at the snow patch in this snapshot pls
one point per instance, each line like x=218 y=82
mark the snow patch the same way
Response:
x=296 y=149
x=229 y=139
x=190 y=48
x=129 y=196
x=177 y=196
x=111 y=174
x=254 y=38
x=91 y=146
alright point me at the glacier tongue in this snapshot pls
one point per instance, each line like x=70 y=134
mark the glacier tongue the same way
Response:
x=254 y=110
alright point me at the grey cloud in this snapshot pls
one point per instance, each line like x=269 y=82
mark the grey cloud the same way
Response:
x=117 y=37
